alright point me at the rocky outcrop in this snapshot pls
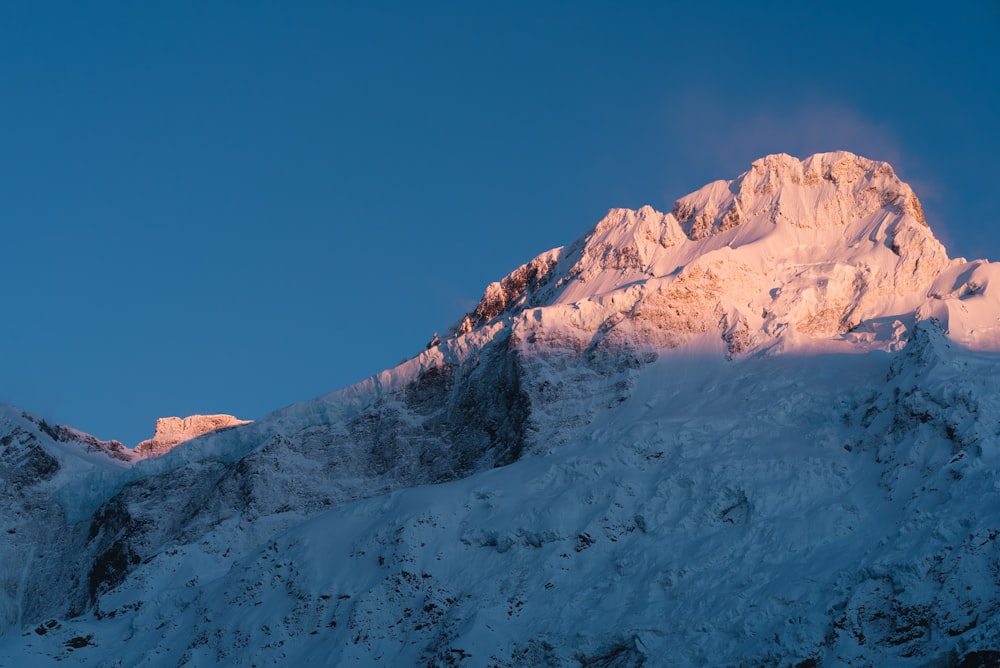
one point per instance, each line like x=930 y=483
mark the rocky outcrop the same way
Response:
x=172 y=431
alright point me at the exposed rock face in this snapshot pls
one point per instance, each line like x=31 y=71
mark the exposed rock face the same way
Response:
x=171 y=431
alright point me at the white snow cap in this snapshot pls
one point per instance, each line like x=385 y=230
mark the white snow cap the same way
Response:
x=802 y=253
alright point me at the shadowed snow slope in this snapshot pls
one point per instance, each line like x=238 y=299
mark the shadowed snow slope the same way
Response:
x=762 y=429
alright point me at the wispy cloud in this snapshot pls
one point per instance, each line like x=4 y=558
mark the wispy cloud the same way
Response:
x=716 y=138
x=713 y=132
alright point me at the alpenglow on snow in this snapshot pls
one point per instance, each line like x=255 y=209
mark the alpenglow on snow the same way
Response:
x=760 y=429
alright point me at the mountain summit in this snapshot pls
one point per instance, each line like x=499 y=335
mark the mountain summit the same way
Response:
x=801 y=253
x=760 y=429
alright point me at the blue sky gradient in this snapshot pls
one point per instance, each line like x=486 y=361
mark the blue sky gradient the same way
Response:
x=230 y=207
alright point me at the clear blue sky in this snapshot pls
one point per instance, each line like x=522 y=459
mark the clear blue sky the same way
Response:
x=233 y=206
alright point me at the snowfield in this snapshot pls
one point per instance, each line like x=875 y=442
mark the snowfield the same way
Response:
x=761 y=429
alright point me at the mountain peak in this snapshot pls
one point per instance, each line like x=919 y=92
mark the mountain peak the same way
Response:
x=172 y=431
x=824 y=190
x=791 y=252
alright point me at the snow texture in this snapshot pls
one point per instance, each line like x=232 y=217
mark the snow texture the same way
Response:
x=761 y=429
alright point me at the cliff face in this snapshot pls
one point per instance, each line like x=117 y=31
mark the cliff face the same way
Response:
x=172 y=431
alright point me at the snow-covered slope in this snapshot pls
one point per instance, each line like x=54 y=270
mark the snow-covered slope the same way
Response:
x=761 y=429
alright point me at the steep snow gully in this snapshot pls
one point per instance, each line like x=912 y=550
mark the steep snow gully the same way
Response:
x=761 y=429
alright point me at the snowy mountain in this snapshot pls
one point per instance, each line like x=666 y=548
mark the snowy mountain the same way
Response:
x=761 y=429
